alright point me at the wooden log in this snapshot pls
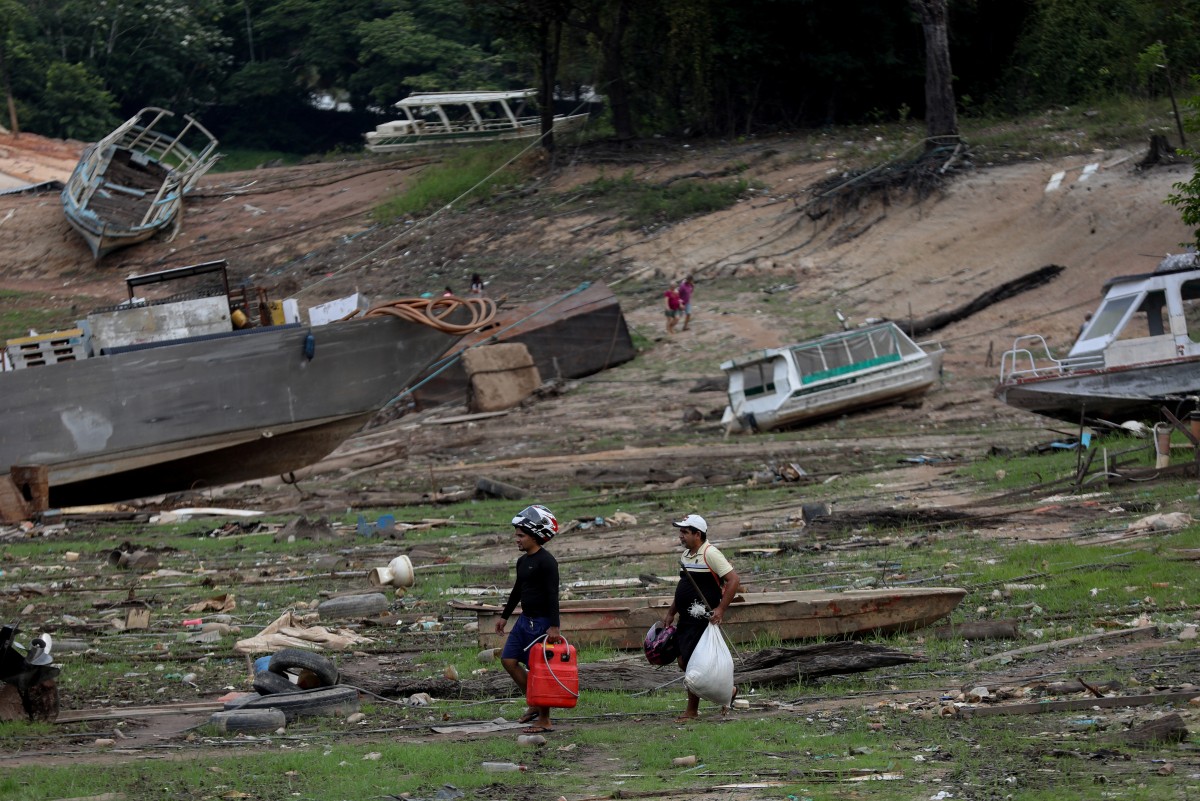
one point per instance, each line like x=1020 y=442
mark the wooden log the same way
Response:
x=499 y=489
x=1167 y=729
x=1009 y=289
x=1136 y=633
x=980 y=630
x=1078 y=704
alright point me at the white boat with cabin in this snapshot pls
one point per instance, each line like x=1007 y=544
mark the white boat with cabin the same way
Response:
x=1139 y=352
x=833 y=374
x=435 y=118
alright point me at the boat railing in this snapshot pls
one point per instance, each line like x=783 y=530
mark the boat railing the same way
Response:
x=428 y=127
x=1030 y=357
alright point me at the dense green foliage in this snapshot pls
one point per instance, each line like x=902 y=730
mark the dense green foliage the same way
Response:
x=679 y=67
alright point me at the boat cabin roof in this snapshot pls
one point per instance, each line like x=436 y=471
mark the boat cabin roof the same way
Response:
x=889 y=330
x=441 y=98
x=1171 y=265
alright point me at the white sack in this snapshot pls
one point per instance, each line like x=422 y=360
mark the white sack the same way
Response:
x=710 y=670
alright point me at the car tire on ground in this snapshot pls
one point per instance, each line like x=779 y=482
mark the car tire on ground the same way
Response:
x=249 y=720
x=268 y=683
x=297 y=659
x=325 y=701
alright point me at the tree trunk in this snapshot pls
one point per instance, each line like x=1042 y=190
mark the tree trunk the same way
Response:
x=941 y=119
x=614 y=70
x=551 y=39
x=14 y=128
x=614 y=85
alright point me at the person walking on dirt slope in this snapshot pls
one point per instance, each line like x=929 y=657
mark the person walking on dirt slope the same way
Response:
x=536 y=590
x=685 y=299
x=707 y=581
x=673 y=306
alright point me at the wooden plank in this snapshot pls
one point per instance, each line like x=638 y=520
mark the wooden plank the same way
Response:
x=1078 y=704
x=462 y=418
x=1132 y=634
x=187 y=708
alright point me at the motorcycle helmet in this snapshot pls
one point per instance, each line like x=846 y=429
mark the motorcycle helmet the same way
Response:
x=538 y=522
x=660 y=645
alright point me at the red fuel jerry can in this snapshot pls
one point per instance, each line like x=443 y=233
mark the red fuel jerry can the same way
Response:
x=553 y=676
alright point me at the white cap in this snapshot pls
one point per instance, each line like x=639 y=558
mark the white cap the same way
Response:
x=692 y=521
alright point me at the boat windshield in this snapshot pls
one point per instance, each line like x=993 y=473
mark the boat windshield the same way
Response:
x=858 y=351
x=1115 y=321
x=1189 y=295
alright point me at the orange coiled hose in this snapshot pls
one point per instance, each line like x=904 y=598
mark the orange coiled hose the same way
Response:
x=434 y=312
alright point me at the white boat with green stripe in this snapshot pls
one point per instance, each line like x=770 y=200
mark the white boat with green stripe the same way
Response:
x=437 y=118
x=832 y=375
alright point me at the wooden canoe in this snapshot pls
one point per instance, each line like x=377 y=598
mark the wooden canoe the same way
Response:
x=805 y=614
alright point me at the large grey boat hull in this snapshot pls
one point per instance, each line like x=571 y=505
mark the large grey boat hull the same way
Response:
x=198 y=413
x=1130 y=392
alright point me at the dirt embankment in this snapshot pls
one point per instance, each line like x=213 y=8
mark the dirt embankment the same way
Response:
x=766 y=272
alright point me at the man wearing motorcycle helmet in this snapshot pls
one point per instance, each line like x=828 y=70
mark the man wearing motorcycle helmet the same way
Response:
x=536 y=590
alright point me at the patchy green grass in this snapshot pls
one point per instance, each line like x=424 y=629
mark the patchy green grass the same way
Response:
x=238 y=159
x=22 y=311
x=643 y=204
x=465 y=176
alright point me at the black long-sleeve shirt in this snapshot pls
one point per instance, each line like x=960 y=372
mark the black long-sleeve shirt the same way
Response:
x=536 y=587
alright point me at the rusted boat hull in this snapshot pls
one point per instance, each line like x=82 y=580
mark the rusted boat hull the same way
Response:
x=623 y=622
x=575 y=335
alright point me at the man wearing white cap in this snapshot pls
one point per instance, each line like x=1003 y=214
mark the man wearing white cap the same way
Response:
x=706 y=582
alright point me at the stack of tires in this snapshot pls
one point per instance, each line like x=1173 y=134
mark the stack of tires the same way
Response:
x=278 y=700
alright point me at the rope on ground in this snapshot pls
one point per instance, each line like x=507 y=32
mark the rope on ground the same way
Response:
x=446 y=362
x=434 y=312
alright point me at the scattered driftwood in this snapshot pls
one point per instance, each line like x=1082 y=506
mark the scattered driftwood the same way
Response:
x=1167 y=729
x=922 y=176
x=981 y=630
x=1009 y=289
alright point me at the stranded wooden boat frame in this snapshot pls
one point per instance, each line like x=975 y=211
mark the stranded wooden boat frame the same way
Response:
x=799 y=615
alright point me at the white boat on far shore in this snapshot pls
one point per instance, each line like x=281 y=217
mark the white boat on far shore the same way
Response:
x=436 y=118
x=833 y=374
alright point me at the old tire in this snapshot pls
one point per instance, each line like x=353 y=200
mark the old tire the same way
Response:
x=337 y=701
x=249 y=720
x=365 y=605
x=240 y=701
x=297 y=659
x=268 y=683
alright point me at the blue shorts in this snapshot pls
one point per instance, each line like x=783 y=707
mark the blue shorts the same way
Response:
x=524 y=633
